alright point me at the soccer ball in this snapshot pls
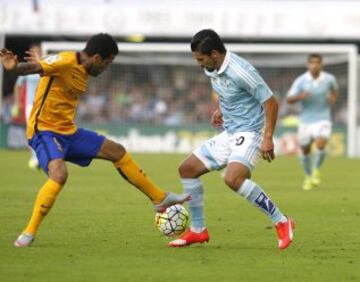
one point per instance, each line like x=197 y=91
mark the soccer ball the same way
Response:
x=173 y=221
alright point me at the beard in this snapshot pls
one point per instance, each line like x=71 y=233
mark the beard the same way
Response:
x=94 y=71
x=209 y=69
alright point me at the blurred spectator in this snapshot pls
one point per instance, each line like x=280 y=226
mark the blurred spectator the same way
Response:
x=176 y=95
x=93 y=107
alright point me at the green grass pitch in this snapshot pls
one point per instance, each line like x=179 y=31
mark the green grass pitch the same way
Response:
x=102 y=229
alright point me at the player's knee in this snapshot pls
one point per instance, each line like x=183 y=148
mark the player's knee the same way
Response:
x=184 y=170
x=112 y=151
x=118 y=151
x=192 y=167
x=234 y=182
x=187 y=170
x=59 y=174
x=321 y=146
x=306 y=150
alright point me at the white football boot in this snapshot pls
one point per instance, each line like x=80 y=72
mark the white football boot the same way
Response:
x=172 y=199
x=24 y=240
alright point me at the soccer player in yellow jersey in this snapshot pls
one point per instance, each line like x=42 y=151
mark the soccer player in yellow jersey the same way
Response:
x=53 y=135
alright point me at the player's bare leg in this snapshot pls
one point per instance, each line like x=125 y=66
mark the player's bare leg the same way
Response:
x=129 y=169
x=319 y=159
x=46 y=197
x=190 y=170
x=237 y=177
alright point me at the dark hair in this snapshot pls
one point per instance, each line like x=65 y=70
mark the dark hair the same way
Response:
x=35 y=44
x=315 y=56
x=207 y=40
x=102 y=44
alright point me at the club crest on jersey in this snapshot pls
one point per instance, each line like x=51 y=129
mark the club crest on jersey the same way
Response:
x=224 y=82
x=265 y=203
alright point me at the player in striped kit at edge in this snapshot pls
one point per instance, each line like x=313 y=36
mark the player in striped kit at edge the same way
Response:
x=317 y=91
x=29 y=83
x=248 y=111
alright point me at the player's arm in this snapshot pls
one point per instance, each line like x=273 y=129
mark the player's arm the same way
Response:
x=271 y=108
x=334 y=93
x=217 y=116
x=333 y=97
x=258 y=88
x=292 y=99
x=11 y=63
x=296 y=93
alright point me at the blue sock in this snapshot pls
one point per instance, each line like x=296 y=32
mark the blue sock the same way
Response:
x=255 y=195
x=319 y=158
x=306 y=163
x=196 y=204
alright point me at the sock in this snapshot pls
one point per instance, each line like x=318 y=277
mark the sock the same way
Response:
x=319 y=158
x=196 y=204
x=306 y=163
x=255 y=195
x=44 y=201
x=129 y=169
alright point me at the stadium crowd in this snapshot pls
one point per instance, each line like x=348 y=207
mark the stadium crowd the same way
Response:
x=172 y=95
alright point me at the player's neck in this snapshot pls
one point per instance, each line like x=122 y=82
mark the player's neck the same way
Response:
x=220 y=61
x=83 y=58
x=315 y=75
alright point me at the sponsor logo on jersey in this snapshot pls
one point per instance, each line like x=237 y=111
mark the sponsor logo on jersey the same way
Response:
x=52 y=59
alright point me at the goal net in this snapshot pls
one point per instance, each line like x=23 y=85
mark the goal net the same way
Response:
x=154 y=98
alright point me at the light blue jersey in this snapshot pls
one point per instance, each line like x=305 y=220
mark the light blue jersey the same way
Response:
x=241 y=92
x=316 y=107
x=31 y=83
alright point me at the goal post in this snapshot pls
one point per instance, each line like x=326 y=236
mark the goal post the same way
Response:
x=351 y=54
x=2 y=45
x=349 y=50
x=154 y=67
x=2 y=127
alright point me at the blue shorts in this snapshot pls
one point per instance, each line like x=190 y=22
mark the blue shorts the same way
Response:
x=79 y=148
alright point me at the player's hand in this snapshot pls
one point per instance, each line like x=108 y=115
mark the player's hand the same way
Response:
x=217 y=118
x=304 y=96
x=331 y=100
x=32 y=56
x=267 y=149
x=8 y=59
x=15 y=111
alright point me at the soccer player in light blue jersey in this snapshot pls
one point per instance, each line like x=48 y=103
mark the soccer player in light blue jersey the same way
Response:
x=316 y=90
x=247 y=110
x=29 y=84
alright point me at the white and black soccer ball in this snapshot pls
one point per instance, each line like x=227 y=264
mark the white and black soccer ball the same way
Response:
x=173 y=221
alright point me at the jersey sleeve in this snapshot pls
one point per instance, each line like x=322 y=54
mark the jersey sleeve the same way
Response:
x=296 y=88
x=54 y=65
x=250 y=80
